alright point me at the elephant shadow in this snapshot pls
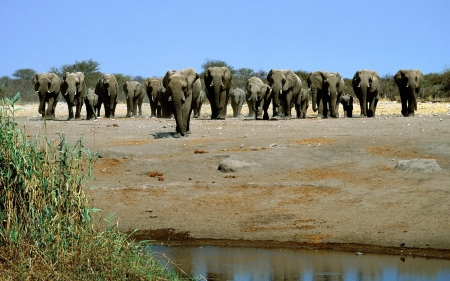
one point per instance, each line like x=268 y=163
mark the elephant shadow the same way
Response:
x=165 y=135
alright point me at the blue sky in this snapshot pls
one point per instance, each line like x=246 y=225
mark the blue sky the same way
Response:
x=147 y=38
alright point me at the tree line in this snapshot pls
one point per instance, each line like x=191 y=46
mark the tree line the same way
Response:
x=435 y=86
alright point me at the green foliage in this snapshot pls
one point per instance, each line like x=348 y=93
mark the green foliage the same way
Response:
x=24 y=73
x=121 y=79
x=219 y=63
x=46 y=222
x=86 y=66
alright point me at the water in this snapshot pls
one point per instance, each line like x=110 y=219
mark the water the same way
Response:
x=225 y=263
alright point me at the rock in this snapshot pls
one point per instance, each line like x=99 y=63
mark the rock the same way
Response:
x=426 y=166
x=230 y=165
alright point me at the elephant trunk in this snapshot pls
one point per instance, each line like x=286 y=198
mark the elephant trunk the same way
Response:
x=314 y=98
x=277 y=90
x=41 y=103
x=129 y=104
x=363 y=102
x=177 y=104
x=217 y=84
x=333 y=108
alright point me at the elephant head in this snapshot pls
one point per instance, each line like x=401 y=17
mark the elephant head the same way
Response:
x=179 y=92
x=259 y=94
x=72 y=87
x=409 y=83
x=46 y=84
x=365 y=85
x=281 y=82
x=132 y=89
x=109 y=86
x=151 y=86
x=329 y=85
x=218 y=84
x=90 y=100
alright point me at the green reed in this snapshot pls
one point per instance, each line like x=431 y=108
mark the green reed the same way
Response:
x=46 y=221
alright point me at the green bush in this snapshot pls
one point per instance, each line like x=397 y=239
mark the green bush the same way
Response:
x=46 y=221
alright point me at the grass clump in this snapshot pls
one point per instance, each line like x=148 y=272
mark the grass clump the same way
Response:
x=46 y=223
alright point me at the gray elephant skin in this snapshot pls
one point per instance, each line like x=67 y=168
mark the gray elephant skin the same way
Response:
x=48 y=87
x=135 y=93
x=217 y=85
x=304 y=98
x=153 y=87
x=237 y=98
x=409 y=83
x=366 y=84
x=347 y=105
x=90 y=101
x=179 y=88
x=286 y=87
x=326 y=89
x=107 y=90
x=198 y=102
x=73 y=90
x=259 y=96
x=196 y=89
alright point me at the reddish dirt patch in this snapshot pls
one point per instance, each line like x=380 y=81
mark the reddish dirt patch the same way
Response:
x=315 y=141
x=396 y=152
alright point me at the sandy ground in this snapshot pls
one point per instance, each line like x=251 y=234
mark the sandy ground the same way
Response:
x=324 y=183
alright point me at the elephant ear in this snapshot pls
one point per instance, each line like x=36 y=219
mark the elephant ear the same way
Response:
x=356 y=79
x=227 y=75
x=291 y=80
x=81 y=84
x=125 y=87
x=267 y=90
x=192 y=76
x=167 y=77
x=398 y=77
x=419 y=76
x=269 y=77
x=316 y=78
x=55 y=83
x=35 y=80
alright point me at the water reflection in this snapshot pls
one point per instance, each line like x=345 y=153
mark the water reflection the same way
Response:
x=221 y=263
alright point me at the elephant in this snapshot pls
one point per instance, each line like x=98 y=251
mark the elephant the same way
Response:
x=153 y=87
x=135 y=93
x=347 y=105
x=304 y=98
x=179 y=88
x=326 y=89
x=197 y=101
x=366 y=84
x=286 y=87
x=259 y=96
x=197 y=104
x=217 y=85
x=48 y=87
x=90 y=100
x=237 y=98
x=409 y=83
x=72 y=89
x=107 y=90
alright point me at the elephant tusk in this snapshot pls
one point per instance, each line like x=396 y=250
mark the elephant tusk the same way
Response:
x=109 y=94
x=250 y=98
x=169 y=99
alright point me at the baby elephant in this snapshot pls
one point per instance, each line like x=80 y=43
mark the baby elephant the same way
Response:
x=237 y=97
x=90 y=100
x=347 y=105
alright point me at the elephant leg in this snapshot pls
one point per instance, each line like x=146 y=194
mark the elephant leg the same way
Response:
x=404 y=101
x=70 y=108
x=410 y=105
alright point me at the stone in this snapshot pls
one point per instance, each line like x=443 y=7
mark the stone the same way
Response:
x=426 y=166
x=230 y=165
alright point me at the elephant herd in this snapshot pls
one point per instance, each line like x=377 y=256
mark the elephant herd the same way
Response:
x=179 y=93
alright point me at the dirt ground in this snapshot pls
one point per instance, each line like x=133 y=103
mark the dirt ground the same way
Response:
x=320 y=183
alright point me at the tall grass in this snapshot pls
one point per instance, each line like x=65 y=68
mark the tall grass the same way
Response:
x=46 y=222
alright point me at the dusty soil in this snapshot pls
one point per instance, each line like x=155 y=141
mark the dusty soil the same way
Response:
x=328 y=183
